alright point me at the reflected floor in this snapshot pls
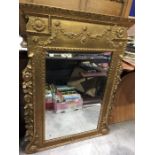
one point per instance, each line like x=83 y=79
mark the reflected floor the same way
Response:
x=73 y=122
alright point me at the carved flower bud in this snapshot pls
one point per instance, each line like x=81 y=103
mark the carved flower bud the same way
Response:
x=27 y=76
x=27 y=98
x=85 y=28
x=120 y=32
x=120 y=44
x=57 y=23
x=83 y=39
x=109 y=28
x=35 y=39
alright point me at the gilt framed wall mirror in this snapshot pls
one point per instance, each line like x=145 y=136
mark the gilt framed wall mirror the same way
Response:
x=72 y=74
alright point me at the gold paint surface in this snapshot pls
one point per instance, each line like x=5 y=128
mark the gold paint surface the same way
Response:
x=68 y=31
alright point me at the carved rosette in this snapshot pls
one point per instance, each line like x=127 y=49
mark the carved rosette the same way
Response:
x=120 y=35
x=118 y=32
x=28 y=97
x=38 y=24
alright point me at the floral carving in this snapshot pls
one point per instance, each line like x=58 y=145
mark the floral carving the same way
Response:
x=108 y=35
x=103 y=125
x=117 y=80
x=35 y=39
x=27 y=89
x=84 y=35
x=28 y=98
x=27 y=76
x=57 y=23
x=38 y=24
x=120 y=32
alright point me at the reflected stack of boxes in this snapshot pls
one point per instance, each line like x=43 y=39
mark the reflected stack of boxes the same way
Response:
x=62 y=99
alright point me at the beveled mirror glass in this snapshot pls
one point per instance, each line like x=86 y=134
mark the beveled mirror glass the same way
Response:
x=75 y=86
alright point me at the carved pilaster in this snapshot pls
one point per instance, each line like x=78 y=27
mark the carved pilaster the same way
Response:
x=117 y=80
x=28 y=97
x=29 y=107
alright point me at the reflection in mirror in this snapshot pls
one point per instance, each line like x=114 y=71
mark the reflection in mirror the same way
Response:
x=75 y=85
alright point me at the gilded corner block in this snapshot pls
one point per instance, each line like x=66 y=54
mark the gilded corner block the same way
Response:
x=37 y=24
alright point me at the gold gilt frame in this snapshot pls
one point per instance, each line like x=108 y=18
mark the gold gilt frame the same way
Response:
x=56 y=29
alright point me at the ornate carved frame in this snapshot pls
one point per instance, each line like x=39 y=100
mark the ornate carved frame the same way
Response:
x=64 y=30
